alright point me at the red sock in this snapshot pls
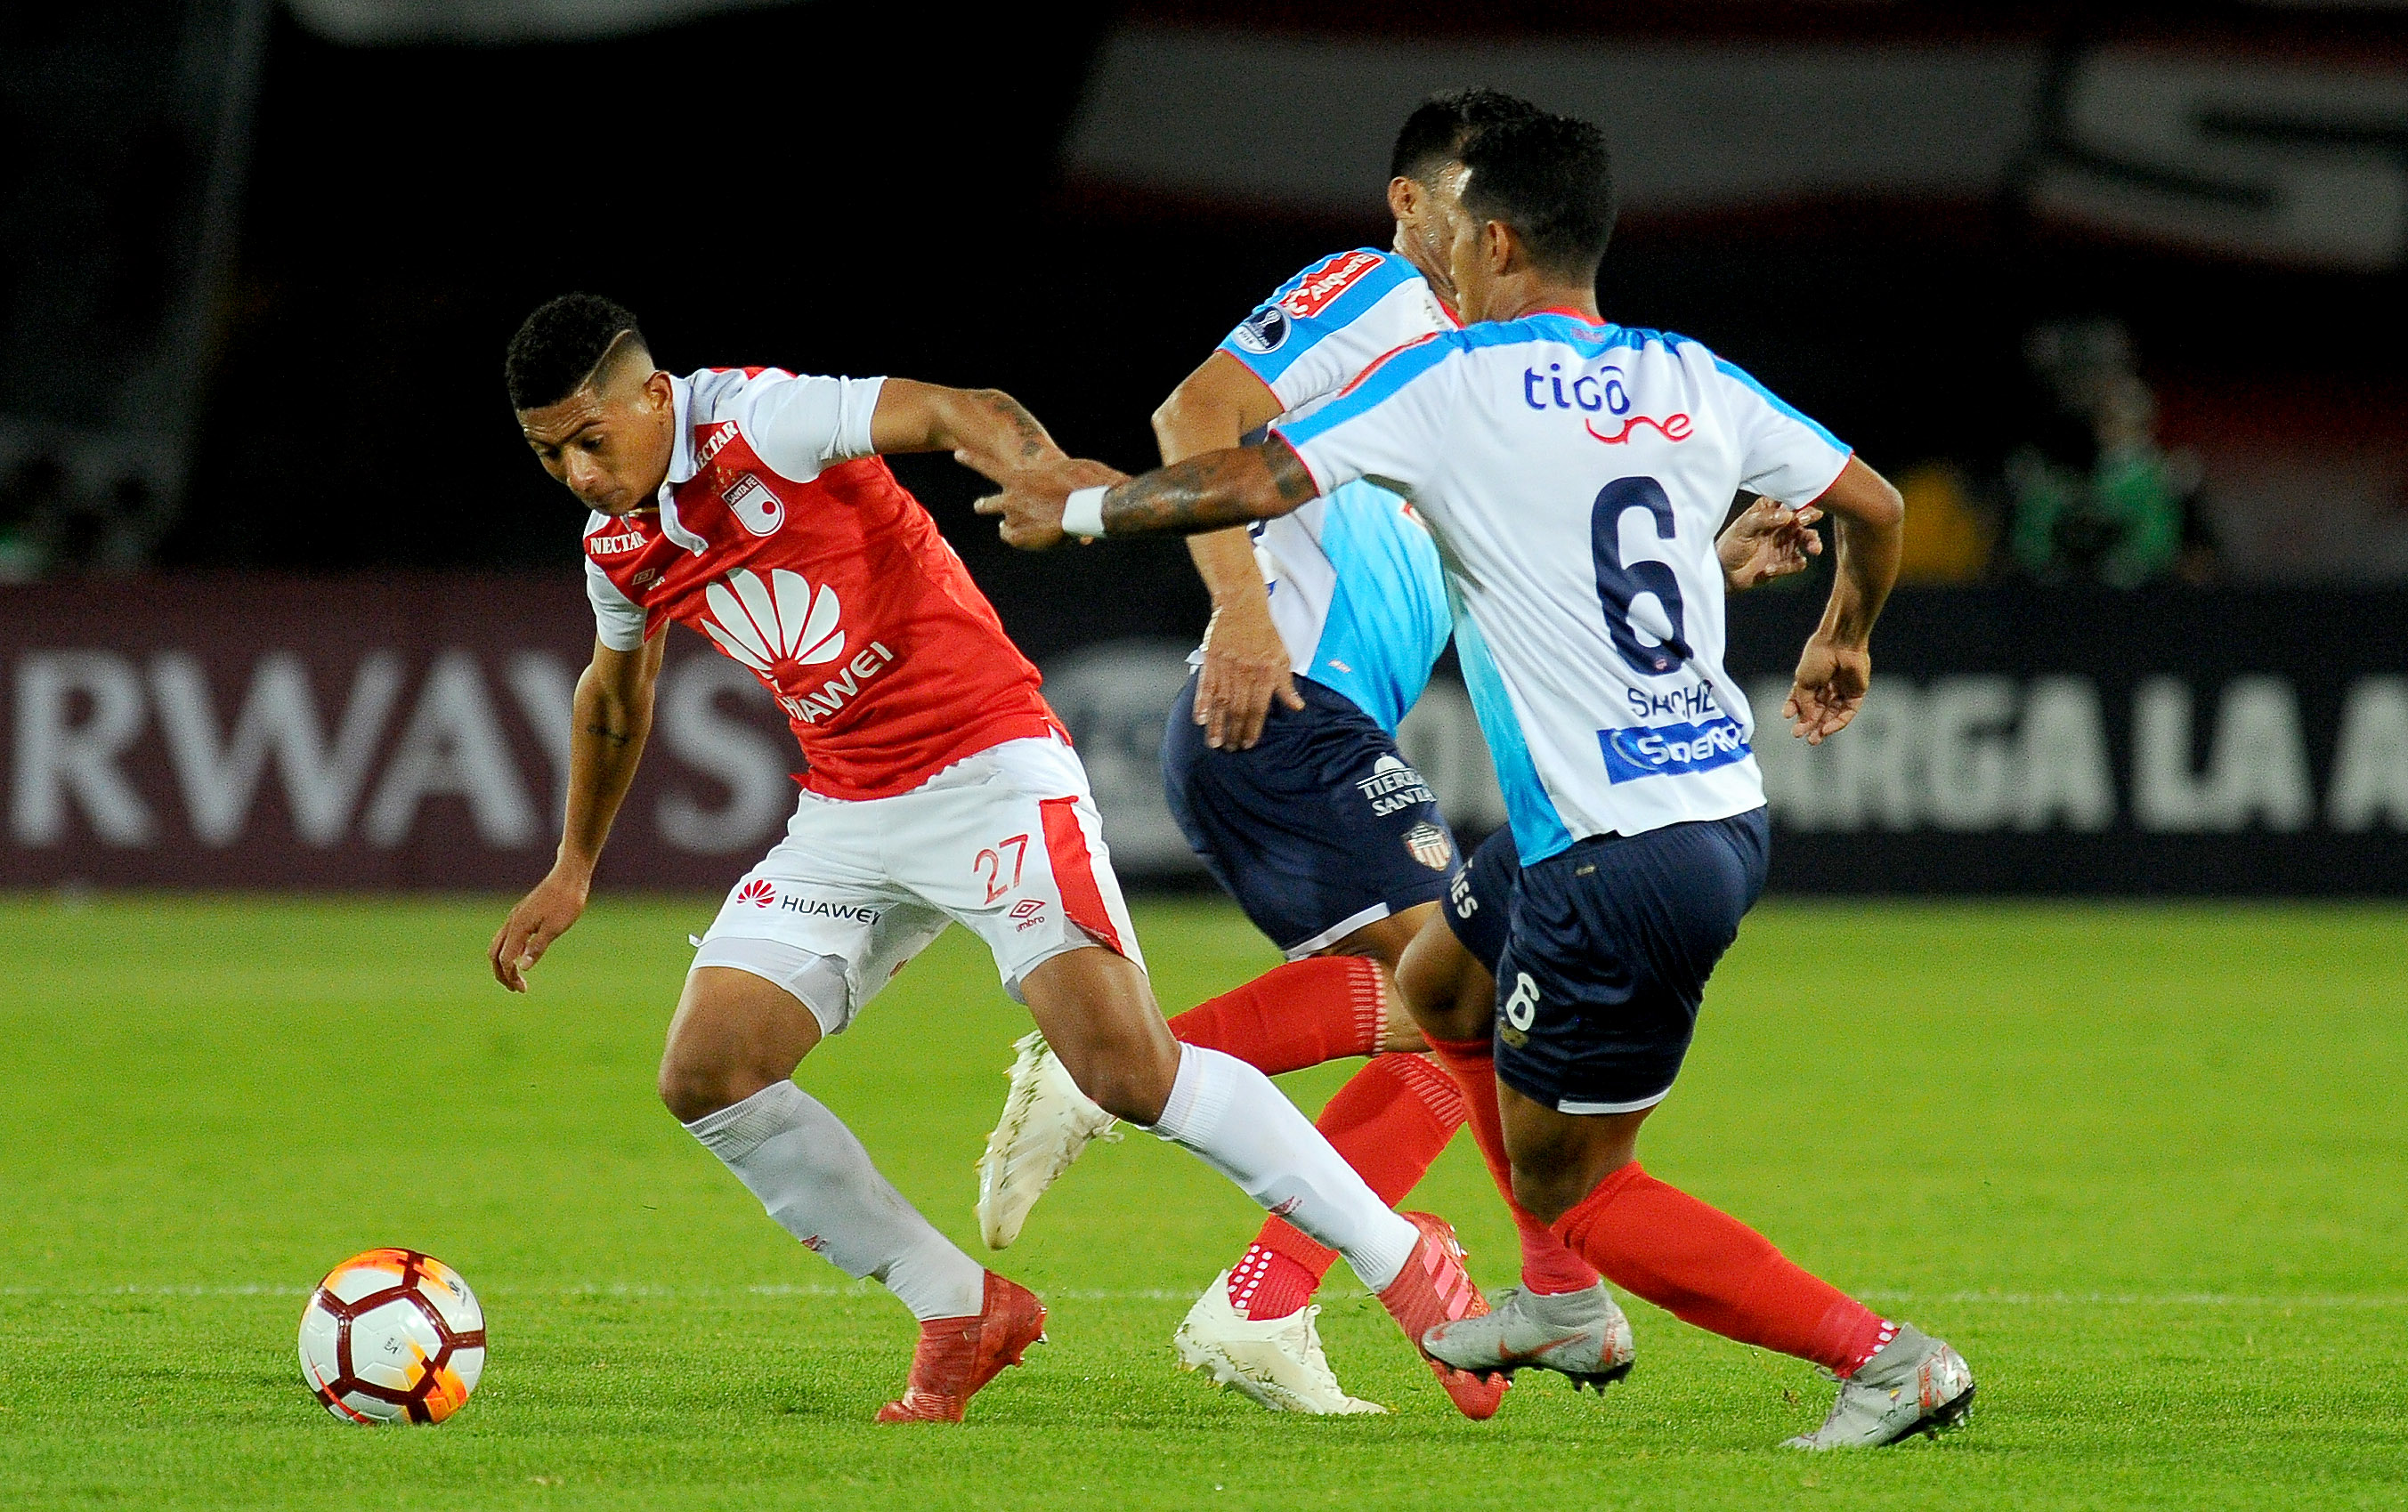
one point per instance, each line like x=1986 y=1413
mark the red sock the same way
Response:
x=1706 y=1268
x=1389 y=1123
x=1307 y=1012
x=1548 y=1266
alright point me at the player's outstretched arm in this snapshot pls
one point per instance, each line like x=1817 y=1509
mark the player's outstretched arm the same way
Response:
x=971 y=423
x=1218 y=488
x=612 y=717
x=1768 y=539
x=1837 y=666
x=1245 y=663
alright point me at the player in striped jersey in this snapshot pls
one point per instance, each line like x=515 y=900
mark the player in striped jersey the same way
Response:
x=1281 y=763
x=1573 y=472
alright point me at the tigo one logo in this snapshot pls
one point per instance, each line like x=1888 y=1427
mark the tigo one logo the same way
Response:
x=781 y=621
x=758 y=892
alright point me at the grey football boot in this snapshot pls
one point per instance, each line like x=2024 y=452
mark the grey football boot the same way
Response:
x=1582 y=1335
x=1914 y=1384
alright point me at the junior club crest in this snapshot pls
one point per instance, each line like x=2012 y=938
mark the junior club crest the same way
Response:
x=1430 y=845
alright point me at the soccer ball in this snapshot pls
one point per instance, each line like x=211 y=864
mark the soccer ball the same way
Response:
x=393 y=1335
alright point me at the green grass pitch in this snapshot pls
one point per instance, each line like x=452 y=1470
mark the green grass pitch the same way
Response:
x=2145 y=1166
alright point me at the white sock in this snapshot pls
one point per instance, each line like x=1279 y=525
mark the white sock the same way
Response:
x=1230 y=1114
x=817 y=1181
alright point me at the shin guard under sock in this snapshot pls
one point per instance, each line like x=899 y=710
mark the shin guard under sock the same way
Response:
x=1304 y=1014
x=1231 y=1116
x=1389 y=1123
x=1708 y=1268
x=1549 y=1267
x=818 y=1183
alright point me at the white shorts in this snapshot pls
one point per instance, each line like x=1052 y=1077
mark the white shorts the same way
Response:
x=1007 y=842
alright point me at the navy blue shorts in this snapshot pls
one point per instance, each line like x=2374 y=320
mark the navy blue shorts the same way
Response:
x=1607 y=959
x=1320 y=829
x=1480 y=901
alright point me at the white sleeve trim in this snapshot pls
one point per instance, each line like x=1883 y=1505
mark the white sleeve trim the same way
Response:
x=800 y=425
x=857 y=406
x=618 y=619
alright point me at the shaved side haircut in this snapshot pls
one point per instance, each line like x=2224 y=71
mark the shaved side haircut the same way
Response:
x=561 y=346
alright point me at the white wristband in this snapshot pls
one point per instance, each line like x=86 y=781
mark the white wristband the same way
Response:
x=1083 y=512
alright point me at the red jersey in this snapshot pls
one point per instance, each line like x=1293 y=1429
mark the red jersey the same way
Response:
x=781 y=538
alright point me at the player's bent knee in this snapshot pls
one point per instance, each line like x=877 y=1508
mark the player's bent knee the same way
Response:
x=1099 y=1015
x=695 y=1084
x=1471 y=1016
x=1546 y=1195
x=735 y=1033
x=1133 y=1085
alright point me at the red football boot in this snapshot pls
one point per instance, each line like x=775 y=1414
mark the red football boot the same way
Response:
x=1434 y=1289
x=958 y=1355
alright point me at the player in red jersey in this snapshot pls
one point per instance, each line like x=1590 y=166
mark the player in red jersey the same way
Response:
x=752 y=505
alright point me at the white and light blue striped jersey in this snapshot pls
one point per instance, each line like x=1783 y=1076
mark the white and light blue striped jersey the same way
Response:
x=1574 y=475
x=1356 y=588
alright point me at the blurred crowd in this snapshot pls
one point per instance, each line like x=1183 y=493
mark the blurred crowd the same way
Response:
x=55 y=523
x=2089 y=496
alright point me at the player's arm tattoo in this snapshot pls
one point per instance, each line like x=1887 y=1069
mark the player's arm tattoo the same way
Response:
x=609 y=731
x=1013 y=417
x=1209 y=491
x=991 y=422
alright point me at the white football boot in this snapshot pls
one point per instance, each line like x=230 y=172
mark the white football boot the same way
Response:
x=1582 y=1335
x=1047 y=1120
x=1276 y=1363
x=1914 y=1384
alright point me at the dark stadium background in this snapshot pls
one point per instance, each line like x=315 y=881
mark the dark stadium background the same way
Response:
x=258 y=263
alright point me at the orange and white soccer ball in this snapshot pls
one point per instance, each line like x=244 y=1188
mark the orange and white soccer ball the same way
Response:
x=393 y=1335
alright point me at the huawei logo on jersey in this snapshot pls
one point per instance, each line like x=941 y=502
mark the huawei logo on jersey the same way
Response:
x=780 y=627
x=761 y=624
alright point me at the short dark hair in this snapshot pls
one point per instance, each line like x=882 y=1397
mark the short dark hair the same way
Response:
x=557 y=347
x=1550 y=178
x=1435 y=132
